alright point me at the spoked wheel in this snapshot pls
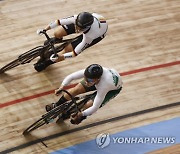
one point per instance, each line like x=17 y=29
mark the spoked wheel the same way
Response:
x=9 y=66
x=50 y=116
x=34 y=126
x=46 y=118
x=26 y=57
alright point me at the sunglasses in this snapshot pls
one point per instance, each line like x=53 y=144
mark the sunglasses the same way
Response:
x=89 y=80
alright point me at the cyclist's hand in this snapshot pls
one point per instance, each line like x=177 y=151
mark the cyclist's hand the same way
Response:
x=77 y=118
x=40 y=31
x=58 y=90
x=54 y=57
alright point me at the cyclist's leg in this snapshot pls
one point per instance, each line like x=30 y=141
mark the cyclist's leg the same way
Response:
x=87 y=105
x=110 y=95
x=59 y=33
x=80 y=88
x=62 y=31
x=70 y=47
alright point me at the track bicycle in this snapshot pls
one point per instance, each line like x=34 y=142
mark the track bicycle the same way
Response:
x=66 y=109
x=44 y=51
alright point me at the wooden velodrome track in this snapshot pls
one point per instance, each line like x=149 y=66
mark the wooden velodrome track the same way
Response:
x=142 y=33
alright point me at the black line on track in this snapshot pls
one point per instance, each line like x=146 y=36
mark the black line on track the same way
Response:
x=89 y=126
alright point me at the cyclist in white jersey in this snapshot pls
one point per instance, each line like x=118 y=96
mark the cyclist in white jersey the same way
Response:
x=92 y=27
x=107 y=82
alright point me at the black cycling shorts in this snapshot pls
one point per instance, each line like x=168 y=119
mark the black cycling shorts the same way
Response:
x=70 y=29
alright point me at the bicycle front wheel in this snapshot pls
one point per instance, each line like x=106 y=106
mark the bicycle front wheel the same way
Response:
x=24 y=58
x=35 y=125
x=28 y=56
x=9 y=66
x=46 y=118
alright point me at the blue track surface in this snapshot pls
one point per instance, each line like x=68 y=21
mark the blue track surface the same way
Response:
x=138 y=141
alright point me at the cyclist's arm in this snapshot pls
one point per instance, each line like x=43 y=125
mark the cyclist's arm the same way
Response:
x=69 y=55
x=63 y=21
x=96 y=104
x=73 y=76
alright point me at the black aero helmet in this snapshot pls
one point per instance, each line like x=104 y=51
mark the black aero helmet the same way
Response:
x=93 y=71
x=84 y=20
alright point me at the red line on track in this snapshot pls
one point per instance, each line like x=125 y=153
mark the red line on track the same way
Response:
x=72 y=85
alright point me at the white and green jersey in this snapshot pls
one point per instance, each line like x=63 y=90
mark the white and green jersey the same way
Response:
x=110 y=80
